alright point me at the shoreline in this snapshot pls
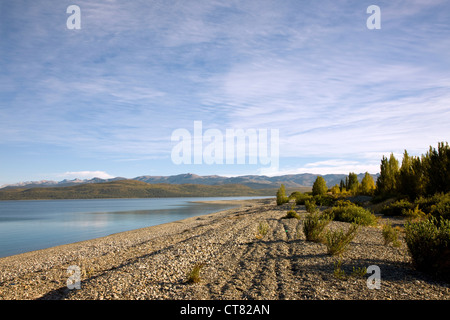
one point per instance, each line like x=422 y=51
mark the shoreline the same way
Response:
x=152 y=263
x=162 y=225
x=187 y=200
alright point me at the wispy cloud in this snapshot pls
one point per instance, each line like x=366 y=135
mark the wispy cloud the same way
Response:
x=137 y=70
x=85 y=175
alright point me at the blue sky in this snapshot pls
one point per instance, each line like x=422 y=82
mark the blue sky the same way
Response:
x=104 y=100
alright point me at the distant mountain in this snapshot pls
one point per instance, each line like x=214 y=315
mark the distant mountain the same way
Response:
x=131 y=189
x=292 y=181
x=253 y=181
x=63 y=183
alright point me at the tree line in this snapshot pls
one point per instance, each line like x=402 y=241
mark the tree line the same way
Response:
x=415 y=177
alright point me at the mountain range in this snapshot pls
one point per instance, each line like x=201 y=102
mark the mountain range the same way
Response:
x=292 y=181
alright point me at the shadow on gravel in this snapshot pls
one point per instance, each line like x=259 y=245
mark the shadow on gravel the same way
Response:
x=57 y=294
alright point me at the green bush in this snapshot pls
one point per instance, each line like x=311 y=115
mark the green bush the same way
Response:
x=437 y=205
x=338 y=241
x=292 y=214
x=428 y=243
x=301 y=198
x=310 y=206
x=413 y=213
x=324 y=200
x=313 y=226
x=397 y=208
x=390 y=235
x=346 y=211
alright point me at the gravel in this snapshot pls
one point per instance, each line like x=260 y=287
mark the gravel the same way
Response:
x=153 y=263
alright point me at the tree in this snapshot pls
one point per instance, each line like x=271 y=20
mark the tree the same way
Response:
x=353 y=182
x=319 y=186
x=387 y=181
x=438 y=169
x=411 y=177
x=342 y=186
x=281 y=195
x=336 y=189
x=367 y=184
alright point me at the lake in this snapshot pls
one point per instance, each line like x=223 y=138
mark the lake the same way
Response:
x=29 y=225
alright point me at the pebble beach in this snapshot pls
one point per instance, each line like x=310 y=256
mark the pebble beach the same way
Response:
x=237 y=263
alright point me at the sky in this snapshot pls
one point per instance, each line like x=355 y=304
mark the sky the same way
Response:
x=106 y=99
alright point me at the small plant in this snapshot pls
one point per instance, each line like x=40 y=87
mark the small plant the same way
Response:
x=359 y=272
x=390 y=234
x=313 y=227
x=338 y=272
x=338 y=241
x=263 y=228
x=292 y=213
x=194 y=275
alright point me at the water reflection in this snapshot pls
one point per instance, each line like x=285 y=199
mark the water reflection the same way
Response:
x=38 y=224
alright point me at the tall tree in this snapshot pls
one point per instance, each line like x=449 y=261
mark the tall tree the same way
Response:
x=342 y=186
x=367 y=184
x=387 y=181
x=353 y=182
x=438 y=169
x=319 y=186
x=410 y=177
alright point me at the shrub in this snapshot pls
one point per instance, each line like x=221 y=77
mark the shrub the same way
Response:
x=324 y=200
x=281 y=195
x=294 y=195
x=302 y=198
x=390 y=235
x=338 y=241
x=292 y=214
x=313 y=226
x=428 y=243
x=413 y=213
x=346 y=211
x=397 y=208
x=310 y=206
x=437 y=205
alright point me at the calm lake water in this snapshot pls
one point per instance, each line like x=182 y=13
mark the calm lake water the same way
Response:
x=38 y=224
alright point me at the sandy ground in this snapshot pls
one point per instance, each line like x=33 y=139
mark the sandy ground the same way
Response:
x=153 y=263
